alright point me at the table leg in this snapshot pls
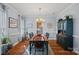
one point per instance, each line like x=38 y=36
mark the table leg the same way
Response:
x=46 y=47
x=30 y=47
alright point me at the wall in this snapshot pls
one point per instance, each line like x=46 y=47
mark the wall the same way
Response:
x=74 y=11
x=48 y=19
x=13 y=33
x=30 y=24
x=51 y=30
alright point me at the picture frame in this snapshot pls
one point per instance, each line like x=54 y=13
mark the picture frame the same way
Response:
x=29 y=24
x=49 y=25
x=12 y=23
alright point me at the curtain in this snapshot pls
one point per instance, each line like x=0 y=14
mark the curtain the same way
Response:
x=3 y=22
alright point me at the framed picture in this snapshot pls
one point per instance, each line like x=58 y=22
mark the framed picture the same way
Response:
x=12 y=22
x=29 y=24
x=49 y=25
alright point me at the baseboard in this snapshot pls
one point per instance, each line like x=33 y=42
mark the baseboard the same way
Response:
x=51 y=38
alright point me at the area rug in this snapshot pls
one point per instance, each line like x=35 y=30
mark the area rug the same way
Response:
x=27 y=52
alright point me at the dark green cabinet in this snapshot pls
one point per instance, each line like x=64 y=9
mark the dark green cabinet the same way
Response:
x=68 y=26
x=65 y=33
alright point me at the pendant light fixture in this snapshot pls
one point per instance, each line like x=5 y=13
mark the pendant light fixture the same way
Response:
x=39 y=19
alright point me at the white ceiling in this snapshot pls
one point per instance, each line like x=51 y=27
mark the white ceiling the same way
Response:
x=30 y=9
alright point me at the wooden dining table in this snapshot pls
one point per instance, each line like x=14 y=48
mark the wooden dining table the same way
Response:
x=43 y=42
x=36 y=39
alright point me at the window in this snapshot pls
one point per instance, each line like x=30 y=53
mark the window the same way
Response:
x=3 y=22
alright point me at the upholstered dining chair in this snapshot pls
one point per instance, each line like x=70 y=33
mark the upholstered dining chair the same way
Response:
x=31 y=35
x=47 y=34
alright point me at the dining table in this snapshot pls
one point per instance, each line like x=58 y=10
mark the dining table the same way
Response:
x=44 y=44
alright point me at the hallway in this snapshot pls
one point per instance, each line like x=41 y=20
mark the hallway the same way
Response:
x=39 y=29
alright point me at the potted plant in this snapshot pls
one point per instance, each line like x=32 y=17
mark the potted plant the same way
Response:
x=6 y=40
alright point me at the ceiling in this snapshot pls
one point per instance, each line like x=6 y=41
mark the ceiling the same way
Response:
x=32 y=9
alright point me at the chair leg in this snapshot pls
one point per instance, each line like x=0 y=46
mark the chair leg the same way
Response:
x=35 y=50
x=43 y=49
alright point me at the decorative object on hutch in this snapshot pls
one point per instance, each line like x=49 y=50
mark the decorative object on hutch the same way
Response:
x=49 y=25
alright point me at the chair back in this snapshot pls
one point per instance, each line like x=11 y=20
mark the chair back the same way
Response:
x=47 y=34
x=31 y=35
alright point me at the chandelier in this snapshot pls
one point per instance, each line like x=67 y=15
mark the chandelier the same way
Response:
x=39 y=18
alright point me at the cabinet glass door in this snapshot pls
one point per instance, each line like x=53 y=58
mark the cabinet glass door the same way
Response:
x=65 y=24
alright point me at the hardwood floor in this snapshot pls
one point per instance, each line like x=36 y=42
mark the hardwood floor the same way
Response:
x=19 y=49
x=58 y=50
